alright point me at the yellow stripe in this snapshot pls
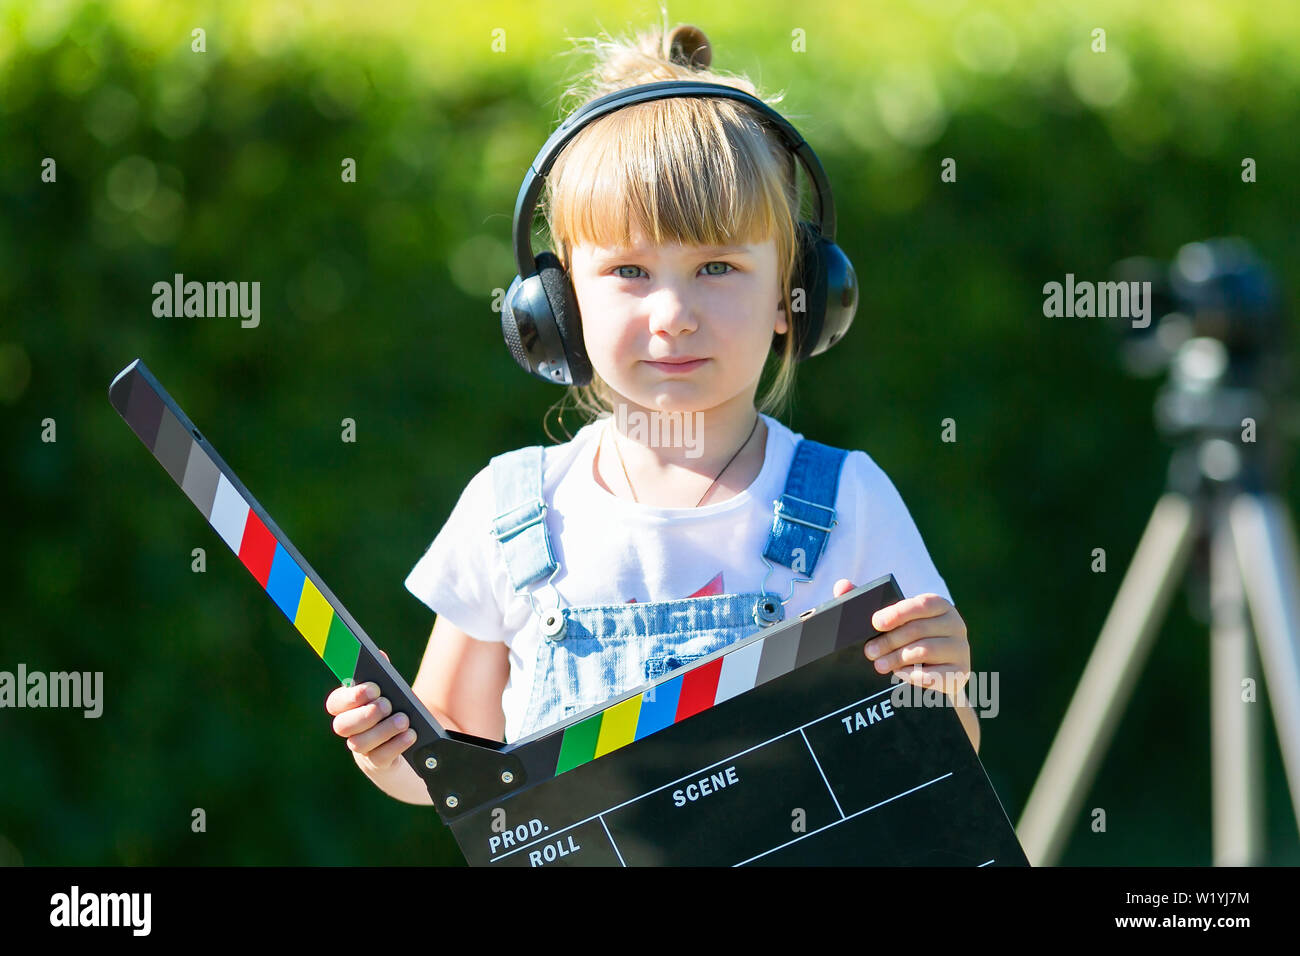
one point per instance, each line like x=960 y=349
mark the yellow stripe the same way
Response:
x=313 y=617
x=618 y=725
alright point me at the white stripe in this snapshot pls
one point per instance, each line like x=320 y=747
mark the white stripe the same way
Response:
x=229 y=514
x=739 y=671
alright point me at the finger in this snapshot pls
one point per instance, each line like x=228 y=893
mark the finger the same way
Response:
x=916 y=675
x=381 y=733
x=909 y=609
x=386 y=657
x=950 y=680
x=360 y=719
x=904 y=634
x=345 y=698
x=383 y=756
x=842 y=586
x=928 y=650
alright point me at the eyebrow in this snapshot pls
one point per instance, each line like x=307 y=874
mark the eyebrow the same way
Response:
x=703 y=250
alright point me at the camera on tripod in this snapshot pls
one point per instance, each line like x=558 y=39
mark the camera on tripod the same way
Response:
x=1219 y=328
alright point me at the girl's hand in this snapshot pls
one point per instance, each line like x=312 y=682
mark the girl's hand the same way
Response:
x=376 y=739
x=923 y=642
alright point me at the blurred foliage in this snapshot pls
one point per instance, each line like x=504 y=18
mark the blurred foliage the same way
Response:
x=376 y=305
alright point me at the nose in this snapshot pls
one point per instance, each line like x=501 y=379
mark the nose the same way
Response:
x=670 y=312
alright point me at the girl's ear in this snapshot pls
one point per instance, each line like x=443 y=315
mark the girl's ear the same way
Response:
x=782 y=321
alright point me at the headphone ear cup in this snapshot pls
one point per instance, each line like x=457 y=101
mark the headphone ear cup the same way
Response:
x=510 y=327
x=564 y=306
x=807 y=296
x=840 y=282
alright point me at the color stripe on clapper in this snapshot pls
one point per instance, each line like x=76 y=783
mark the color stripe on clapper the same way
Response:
x=703 y=684
x=232 y=516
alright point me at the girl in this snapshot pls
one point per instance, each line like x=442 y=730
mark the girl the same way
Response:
x=675 y=221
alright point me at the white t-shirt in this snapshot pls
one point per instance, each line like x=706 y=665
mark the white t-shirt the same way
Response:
x=614 y=550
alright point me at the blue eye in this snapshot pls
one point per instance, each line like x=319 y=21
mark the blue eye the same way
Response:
x=730 y=268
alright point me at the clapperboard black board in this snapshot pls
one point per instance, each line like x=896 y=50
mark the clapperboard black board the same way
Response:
x=785 y=748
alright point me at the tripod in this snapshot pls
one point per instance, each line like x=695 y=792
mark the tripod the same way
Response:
x=1217 y=495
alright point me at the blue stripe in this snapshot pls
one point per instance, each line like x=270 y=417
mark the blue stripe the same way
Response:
x=284 y=583
x=658 y=713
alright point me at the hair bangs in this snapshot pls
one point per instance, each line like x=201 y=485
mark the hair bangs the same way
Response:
x=682 y=171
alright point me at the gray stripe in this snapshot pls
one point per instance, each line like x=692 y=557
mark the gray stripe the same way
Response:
x=201 y=479
x=855 y=625
x=819 y=635
x=172 y=446
x=143 y=410
x=779 y=652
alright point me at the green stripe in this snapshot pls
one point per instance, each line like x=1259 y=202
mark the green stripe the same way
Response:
x=341 y=649
x=579 y=743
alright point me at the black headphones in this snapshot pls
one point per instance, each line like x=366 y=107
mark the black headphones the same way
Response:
x=540 y=319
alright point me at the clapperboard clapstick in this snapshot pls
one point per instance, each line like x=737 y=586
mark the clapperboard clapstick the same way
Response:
x=785 y=748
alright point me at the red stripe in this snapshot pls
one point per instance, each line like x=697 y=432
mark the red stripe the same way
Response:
x=257 y=548
x=699 y=689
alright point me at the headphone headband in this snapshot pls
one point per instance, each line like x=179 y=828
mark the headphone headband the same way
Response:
x=526 y=204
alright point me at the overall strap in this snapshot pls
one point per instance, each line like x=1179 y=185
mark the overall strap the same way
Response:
x=520 y=523
x=804 y=515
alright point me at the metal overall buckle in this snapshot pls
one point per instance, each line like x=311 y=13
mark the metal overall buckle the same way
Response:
x=766 y=610
x=770 y=606
x=555 y=619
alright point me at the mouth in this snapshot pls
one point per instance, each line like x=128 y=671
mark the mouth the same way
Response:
x=678 y=365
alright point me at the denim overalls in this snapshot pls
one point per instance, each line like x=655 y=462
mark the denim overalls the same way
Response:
x=588 y=655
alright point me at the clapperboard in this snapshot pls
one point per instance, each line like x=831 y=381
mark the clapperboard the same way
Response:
x=785 y=748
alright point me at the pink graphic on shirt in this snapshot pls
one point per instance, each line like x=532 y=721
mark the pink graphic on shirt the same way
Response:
x=714 y=586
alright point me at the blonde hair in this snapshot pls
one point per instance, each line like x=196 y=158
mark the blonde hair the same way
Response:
x=688 y=170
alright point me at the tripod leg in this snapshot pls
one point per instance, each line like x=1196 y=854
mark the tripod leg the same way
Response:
x=1266 y=554
x=1108 y=680
x=1235 y=752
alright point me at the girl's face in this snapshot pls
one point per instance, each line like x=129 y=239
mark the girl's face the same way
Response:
x=649 y=305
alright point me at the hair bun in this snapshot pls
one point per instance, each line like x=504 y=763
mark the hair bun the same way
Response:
x=688 y=46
